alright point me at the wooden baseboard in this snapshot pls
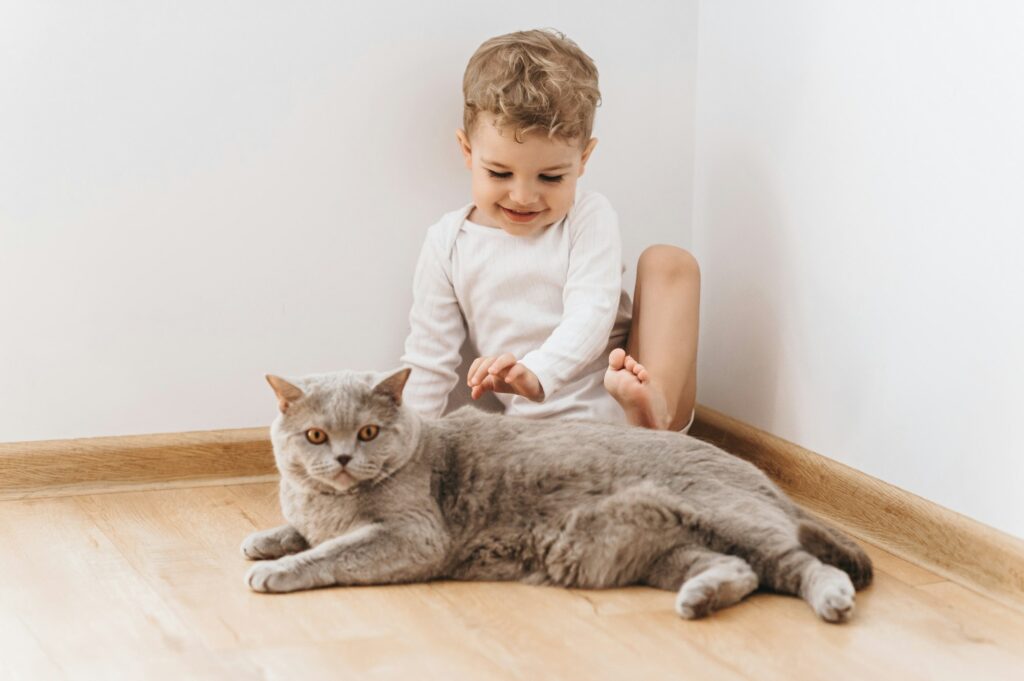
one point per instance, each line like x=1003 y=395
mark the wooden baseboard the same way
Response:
x=945 y=542
x=915 y=529
x=105 y=464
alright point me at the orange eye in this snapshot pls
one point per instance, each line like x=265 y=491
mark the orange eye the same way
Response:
x=316 y=436
x=367 y=433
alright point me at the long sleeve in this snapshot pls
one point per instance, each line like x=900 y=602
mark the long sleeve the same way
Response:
x=437 y=330
x=590 y=299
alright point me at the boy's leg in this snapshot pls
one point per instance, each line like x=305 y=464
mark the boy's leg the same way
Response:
x=655 y=379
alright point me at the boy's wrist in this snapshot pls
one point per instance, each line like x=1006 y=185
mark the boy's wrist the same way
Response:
x=536 y=390
x=536 y=366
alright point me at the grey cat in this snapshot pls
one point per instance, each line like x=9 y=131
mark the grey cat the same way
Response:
x=375 y=494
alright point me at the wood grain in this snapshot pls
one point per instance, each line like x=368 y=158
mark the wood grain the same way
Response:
x=920 y=531
x=149 y=585
x=101 y=464
x=934 y=540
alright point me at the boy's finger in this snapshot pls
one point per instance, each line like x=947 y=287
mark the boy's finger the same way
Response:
x=517 y=372
x=472 y=371
x=502 y=363
x=488 y=384
x=481 y=370
x=485 y=369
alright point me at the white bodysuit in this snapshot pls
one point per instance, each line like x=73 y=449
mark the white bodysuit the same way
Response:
x=553 y=299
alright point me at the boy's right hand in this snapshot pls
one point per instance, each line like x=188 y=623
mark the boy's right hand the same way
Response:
x=503 y=374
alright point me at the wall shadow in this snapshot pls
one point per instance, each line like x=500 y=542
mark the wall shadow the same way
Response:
x=739 y=241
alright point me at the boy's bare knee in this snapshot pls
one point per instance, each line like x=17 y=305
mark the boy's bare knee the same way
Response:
x=669 y=261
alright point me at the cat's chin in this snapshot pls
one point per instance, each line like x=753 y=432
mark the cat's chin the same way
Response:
x=342 y=481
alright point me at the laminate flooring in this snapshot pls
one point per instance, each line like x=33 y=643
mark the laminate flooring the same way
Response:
x=149 y=585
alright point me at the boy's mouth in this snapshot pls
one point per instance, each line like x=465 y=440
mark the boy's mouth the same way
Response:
x=520 y=217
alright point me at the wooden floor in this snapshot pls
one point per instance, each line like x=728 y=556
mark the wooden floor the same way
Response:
x=148 y=585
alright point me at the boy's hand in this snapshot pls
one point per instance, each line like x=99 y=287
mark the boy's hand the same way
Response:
x=503 y=374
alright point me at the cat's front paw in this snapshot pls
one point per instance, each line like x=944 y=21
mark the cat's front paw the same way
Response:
x=261 y=546
x=254 y=547
x=274 y=576
x=274 y=543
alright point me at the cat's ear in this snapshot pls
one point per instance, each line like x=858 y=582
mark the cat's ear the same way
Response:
x=393 y=385
x=286 y=392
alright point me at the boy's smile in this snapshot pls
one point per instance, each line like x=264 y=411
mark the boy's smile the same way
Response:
x=520 y=217
x=521 y=188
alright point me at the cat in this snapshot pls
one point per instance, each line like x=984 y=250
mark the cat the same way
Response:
x=376 y=494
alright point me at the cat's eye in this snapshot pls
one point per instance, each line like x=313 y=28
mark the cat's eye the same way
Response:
x=367 y=433
x=316 y=436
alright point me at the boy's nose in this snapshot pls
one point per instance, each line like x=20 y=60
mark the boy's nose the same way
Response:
x=523 y=196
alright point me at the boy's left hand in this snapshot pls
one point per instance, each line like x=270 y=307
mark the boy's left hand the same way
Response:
x=503 y=374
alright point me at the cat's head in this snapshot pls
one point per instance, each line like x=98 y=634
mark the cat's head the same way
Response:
x=336 y=431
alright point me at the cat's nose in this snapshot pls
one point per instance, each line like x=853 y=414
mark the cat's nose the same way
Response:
x=343 y=460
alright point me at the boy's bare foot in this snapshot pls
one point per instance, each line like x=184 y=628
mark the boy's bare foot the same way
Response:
x=629 y=383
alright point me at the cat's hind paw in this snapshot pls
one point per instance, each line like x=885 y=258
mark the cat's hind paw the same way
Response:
x=720 y=586
x=830 y=592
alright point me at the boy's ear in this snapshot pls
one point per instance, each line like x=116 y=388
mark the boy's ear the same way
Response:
x=287 y=393
x=464 y=147
x=587 y=150
x=392 y=386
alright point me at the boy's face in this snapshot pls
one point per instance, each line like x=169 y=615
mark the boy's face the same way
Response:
x=537 y=177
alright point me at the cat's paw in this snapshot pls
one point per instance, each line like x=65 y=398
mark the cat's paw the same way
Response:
x=255 y=548
x=273 y=576
x=258 y=546
x=720 y=586
x=695 y=599
x=271 y=544
x=830 y=592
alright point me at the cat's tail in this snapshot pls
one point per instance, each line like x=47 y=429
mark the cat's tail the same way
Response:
x=831 y=546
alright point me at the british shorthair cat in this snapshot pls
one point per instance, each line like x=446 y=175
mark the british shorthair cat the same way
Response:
x=375 y=494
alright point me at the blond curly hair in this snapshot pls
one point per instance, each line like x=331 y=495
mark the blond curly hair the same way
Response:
x=532 y=81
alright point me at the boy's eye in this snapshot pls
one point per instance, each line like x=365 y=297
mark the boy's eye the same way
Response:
x=545 y=178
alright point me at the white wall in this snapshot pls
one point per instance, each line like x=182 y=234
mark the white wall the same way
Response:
x=195 y=194
x=859 y=217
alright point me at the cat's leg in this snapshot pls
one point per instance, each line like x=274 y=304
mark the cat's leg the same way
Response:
x=768 y=538
x=270 y=544
x=706 y=580
x=792 y=570
x=829 y=591
x=372 y=554
x=612 y=541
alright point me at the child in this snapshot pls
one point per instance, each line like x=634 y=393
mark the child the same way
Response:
x=533 y=271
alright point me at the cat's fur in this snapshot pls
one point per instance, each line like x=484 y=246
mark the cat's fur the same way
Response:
x=481 y=496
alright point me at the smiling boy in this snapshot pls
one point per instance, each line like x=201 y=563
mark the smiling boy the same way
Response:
x=532 y=269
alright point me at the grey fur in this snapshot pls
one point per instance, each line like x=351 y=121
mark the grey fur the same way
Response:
x=480 y=496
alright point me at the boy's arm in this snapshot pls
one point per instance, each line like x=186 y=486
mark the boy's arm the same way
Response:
x=437 y=330
x=590 y=299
